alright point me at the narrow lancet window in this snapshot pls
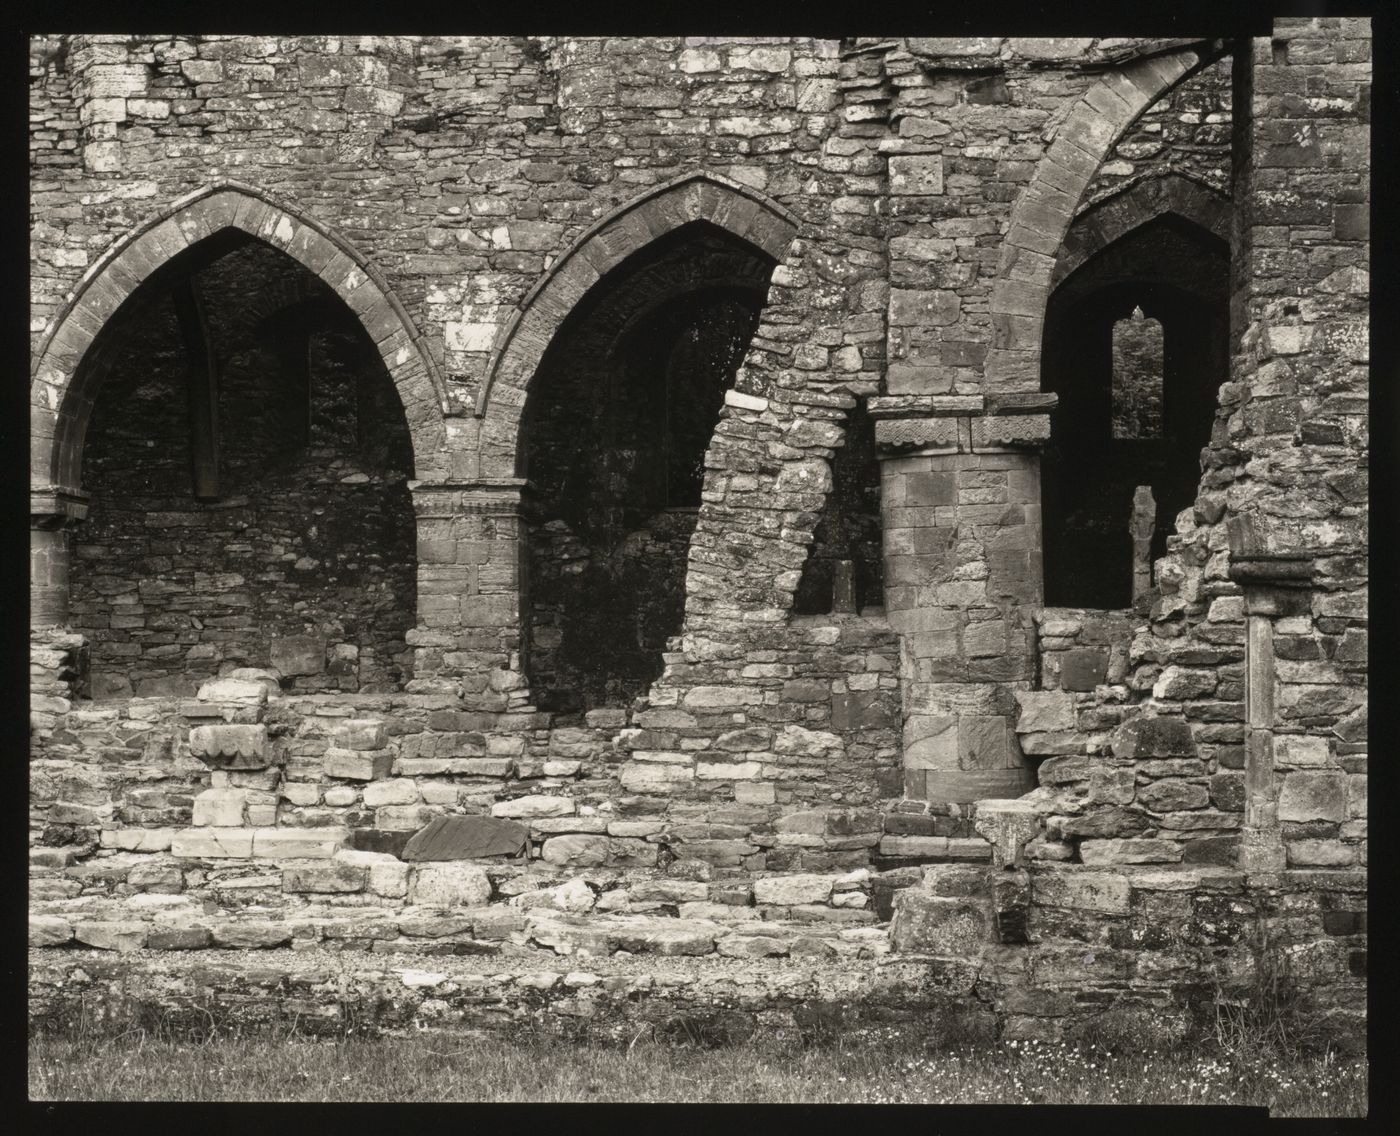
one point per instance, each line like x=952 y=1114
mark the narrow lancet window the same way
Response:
x=1137 y=377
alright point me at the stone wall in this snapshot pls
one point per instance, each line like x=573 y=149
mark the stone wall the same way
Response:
x=1199 y=769
x=1297 y=402
x=1077 y=941
x=710 y=779
x=1186 y=132
x=1243 y=721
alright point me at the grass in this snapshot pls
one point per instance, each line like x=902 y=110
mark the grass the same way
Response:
x=868 y=1066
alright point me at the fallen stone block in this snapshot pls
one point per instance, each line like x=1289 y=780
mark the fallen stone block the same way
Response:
x=256 y=934
x=297 y=843
x=790 y=890
x=357 y=765
x=49 y=931
x=537 y=806
x=113 y=935
x=230 y=746
x=450 y=885
x=360 y=734
x=331 y=876
x=212 y=843
x=466 y=838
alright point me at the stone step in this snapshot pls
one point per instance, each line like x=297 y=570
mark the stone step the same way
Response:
x=330 y=991
x=164 y=922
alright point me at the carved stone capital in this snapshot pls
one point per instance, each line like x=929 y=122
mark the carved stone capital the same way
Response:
x=54 y=508
x=500 y=496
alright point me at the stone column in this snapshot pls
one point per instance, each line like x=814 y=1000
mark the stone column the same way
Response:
x=52 y=517
x=471 y=548
x=1276 y=585
x=963 y=576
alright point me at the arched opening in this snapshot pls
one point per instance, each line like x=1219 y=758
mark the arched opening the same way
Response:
x=1136 y=345
x=620 y=415
x=844 y=570
x=248 y=458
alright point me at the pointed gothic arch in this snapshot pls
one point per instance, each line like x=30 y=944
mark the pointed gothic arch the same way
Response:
x=1046 y=208
x=1098 y=225
x=709 y=197
x=63 y=392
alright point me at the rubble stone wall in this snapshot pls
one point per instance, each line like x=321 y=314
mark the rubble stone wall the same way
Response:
x=1286 y=470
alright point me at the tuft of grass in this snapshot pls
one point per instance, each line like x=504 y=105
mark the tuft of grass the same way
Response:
x=1270 y=1013
x=685 y=1062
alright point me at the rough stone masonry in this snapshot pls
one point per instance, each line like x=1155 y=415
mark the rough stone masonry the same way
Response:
x=552 y=500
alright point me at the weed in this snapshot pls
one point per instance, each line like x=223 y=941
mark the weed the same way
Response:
x=1266 y=1015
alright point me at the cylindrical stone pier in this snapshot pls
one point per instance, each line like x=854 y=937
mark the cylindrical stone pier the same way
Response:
x=963 y=577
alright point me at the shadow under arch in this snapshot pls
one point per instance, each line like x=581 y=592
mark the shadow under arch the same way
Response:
x=739 y=210
x=1127 y=417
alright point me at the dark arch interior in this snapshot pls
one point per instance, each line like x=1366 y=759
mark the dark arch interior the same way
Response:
x=274 y=529
x=620 y=415
x=849 y=528
x=1177 y=273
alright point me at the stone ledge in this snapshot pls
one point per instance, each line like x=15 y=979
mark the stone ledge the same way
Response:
x=257 y=843
x=326 y=991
